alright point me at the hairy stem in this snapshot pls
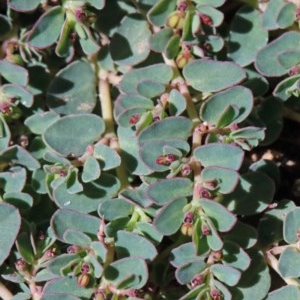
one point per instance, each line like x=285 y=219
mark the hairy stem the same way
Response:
x=5 y=293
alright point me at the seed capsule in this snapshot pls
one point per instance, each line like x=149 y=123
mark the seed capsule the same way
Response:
x=83 y=280
x=187 y=229
x=176 y=20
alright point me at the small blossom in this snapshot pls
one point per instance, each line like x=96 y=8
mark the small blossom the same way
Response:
x=186 y=169
x=73 y=249
x=21 y=264
x=85 y=268
x=5 y=107
x=182 y=6
x=165 y=159
x=80 y=15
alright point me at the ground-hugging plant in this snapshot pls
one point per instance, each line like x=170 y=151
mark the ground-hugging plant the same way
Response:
x=126 y=129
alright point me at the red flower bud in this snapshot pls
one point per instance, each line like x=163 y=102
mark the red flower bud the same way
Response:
x=216 y=295
x=205 y=230
x=197 y=280
x=206 y=19
x=189 y=217
x=165 y=159
x=134 y=119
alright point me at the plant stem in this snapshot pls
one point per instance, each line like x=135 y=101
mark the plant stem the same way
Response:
x=5 y=293
x=290 y=114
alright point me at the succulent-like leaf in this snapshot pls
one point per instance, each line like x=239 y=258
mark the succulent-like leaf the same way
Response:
x=185 y=273
x=129 y=273
x=69 y=287
x=170 y=217
x=163 y=191
x=214 y=240
x=220 y=155
x=21 y=6
x=20 y=93
x=285 y=88
x=47 y=28
x=9 y=225
x=267 y=62
x=58 y=263
x=64 y=219
x=13 y=180
x=214 y=3
x=5 y=134
x=131 y=244
x=268 y=167
x=13 y=73
x=208 y=75
x=239 y=97
x=72 y=134
x=160 y=12
x=245 y=40
x=252 y=195
x=72 y=91
x=226 y=179
x=149 y=88
x=289 y=263
x=148 y=231
x=76 y=237
x=229 y=275
x=158 y=72
x=130 y=44
x=258 y=84
x=291 y=226
x=285 y=292
x=177 y=103
x=112 y=209
x=160 y=39
x=22 y=201
x=37 y=123
x=91 y=170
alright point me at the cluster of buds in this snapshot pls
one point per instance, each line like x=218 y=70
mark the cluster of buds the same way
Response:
x=165 y=159
x=197 y=280
x=184 y=56
x=187 y=226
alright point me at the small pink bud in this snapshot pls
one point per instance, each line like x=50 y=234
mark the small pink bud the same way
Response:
x=204 y=193
x=182 y=6
x=134 y=119
x=5 y=107
x=21 y=264
x=197 y=280
x=216 y=295
x=205 y=230
x=186 y=170
x=206 y=19
x=189 y=217
x=298 y=14
x=80 y=15
x=73 y=249
x=85 y=268
x=294 y=70
x=165 y=159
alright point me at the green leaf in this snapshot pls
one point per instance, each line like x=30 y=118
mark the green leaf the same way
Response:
x=267 y=167
x=285 y=292
x=219 y=215
x=64 y=219
x=165 y=190
x=220 y=155
x=18 y=155
x=160 y=12
x=235 y=256
x=130 y=272
x=291 y=226
x=158 y=72
x=90 y=197
x=130 y=43
x=255 y=281
x=69 y=287
x=230 y=276
x=185 y=273
x=284 y=89
x=21 y=6
x=242 y=234
x=172 y=47
x=91 y=170
x=177 y=103
x=149 y=88
x=226 y=179
x=170 y=216
x=22 y=94
x=267 y=62
x=112 y=209
x=22 y=201
x=208 y=75
x=76 y=237
x=214 y=240
x=54 y=296
x=72 y=134
x=47 y=28
x=9 y=226
x=214 y=3
x=13 y=180
x=240 y=98
x=252 y=195
x=183 y=254
x=58 y=263
x=71 y=93
x=258 y=84
x=215 y=15
x=160 y=39
x=13 y=73
x=37 y=123
x=131 y=244
x=137 y=196
x=89 y=45
x=5 y=134
x=100 y=251
x=289 y=263
x=245 y=40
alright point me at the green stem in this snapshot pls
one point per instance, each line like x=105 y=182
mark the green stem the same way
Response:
x=5 y=294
